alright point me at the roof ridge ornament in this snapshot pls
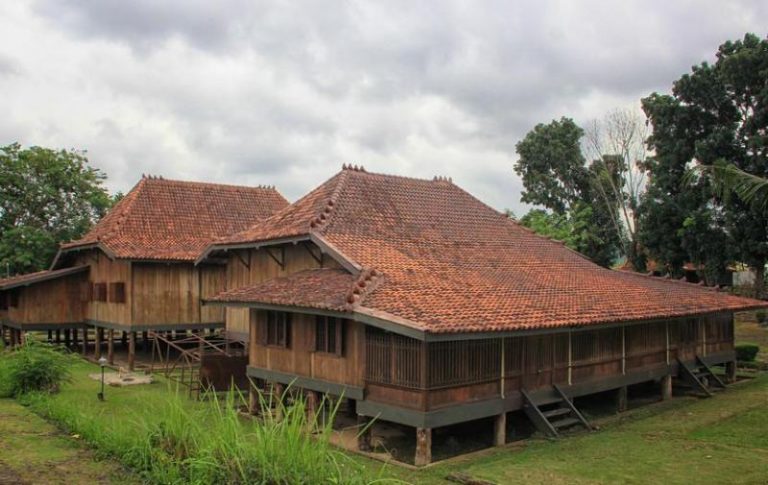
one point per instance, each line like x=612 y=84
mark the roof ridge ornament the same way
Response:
x=366 y=282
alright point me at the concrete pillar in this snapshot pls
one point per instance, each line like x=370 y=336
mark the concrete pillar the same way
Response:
x=364 y=433
x=111 y=346
x=621 y=399
x=132 y=351
x=666 y=388
x=500 y=430
x=99 y=337
x=730 y=371
x=423 y=447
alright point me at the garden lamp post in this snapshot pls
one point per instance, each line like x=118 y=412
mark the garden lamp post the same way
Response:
x=103 y=364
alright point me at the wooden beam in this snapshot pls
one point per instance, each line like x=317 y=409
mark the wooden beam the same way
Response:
x=317 y=257
x=279 y=258
x=131 y=351
x=111 y=346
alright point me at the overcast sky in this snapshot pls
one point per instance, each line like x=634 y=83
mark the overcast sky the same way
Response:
x=283 y=93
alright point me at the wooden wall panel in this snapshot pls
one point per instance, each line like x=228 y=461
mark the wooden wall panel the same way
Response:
x=104 y=270
x=170 y=293
x=252 y=266
x=213 y=280
x=301 y=359
x=55 y=301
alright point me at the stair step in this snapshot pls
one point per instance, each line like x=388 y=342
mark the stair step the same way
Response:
x=564 y=423
x=556 y=412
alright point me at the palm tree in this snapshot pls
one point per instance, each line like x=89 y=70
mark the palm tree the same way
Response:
x=727 y=179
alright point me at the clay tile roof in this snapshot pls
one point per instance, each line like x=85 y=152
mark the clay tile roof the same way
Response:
x=452 y=264
x=163 y=219
x=320 y=288
x=39 y=276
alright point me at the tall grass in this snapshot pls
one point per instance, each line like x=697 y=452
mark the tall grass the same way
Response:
x=174 y=442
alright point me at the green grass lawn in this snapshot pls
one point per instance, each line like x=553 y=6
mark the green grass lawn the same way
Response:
x=686 y=440
x=34 y=451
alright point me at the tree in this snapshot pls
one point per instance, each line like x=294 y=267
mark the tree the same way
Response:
x=46 y=196
x=556 y=176
x=616 y=144
x=717 y=114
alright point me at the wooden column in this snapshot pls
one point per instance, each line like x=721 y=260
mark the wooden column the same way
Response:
x=621 y=399
x=364 y=433
x=132 y=351
x=67 y=337
x=98 y=338
x=22 y=337
x=85 y=340
x=500 y=430
x=423 y=447
x=145 y=341
x=74 y=338
x=50 y=336
x=730 y=371
x=254 y=406
x=277 y=398
x=58 y=336
x=312 y=410
x=666 y=388
x=111 y=347
x=124 y=339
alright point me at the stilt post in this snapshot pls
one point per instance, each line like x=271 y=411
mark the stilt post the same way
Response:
x=423 y=447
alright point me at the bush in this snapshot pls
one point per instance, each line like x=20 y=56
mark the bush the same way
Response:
x=35 y=366
x=746 y=352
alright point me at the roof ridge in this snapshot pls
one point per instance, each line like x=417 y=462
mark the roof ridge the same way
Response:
x=669 y=279
x=210 y=184
x=361 y=170
x=126 y=207
x=321 y=220
x=368 y=280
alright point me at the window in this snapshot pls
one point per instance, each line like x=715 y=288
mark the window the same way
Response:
x=329 y=334
x=13 y=298
x=3 y=301
x=117 y=292
x=99 y=292
x=278 y=329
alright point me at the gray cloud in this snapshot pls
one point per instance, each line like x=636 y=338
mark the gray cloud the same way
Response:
x=285 y=92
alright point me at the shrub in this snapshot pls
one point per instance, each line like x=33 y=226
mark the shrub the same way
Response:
x=34 y=366
x=746 y=352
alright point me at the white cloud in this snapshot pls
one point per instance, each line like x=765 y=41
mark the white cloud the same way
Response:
x=285 y=92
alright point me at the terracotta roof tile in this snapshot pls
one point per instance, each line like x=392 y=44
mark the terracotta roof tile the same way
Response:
x=320 y=288
x=451 y=263
x=175 y=220
x=39 y=276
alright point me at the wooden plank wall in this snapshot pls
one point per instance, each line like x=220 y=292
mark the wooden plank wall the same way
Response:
x=170 y=294
x=302 y=360
x=104 y=270
x=61 y=300
x=467 y=370
x=251 y=266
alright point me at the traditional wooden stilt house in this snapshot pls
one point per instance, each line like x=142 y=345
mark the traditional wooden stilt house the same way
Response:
x=134 y=271
x=429 y=308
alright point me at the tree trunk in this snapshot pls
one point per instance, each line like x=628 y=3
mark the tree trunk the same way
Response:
x=760 y=280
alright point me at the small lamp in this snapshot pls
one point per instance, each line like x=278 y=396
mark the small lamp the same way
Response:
x=103 y=364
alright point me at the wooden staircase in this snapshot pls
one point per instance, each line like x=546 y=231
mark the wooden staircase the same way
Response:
x=700 y=377
x=551 y=411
